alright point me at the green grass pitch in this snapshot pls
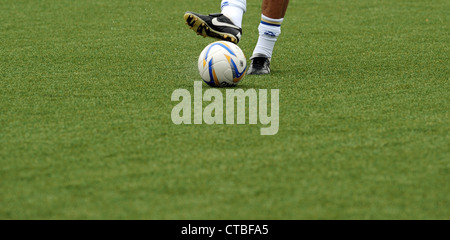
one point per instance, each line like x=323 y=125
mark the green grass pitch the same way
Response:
x=86 y=133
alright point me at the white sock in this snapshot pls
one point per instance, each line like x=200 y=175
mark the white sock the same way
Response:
x=269 y=30
x=234 y=10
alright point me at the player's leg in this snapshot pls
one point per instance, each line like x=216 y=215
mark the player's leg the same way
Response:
x=272 y=16
x=225 y=25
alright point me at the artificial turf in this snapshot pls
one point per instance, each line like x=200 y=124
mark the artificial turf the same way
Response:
x=86 y=129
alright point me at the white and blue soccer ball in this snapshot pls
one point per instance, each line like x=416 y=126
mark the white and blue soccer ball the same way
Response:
x=222 y=64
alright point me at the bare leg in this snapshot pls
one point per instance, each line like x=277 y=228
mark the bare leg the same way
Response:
x=274 y=8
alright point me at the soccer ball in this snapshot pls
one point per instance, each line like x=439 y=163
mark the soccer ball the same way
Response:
x=222 y=64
